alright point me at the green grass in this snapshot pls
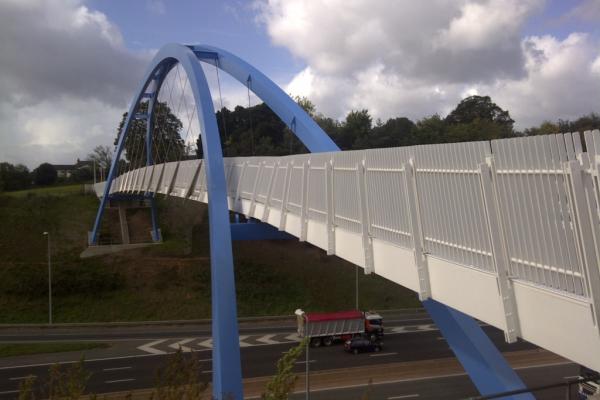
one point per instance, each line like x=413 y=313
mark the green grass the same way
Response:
x=63 y=190
x=165 y=282
x=21 y=349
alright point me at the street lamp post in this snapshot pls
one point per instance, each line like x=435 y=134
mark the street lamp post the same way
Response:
x=49 y=281
x=356 y=301
x=307 y=372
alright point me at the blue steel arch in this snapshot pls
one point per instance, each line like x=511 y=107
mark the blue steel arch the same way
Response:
x=227 y=379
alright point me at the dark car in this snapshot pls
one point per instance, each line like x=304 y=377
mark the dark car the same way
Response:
x=360 y=344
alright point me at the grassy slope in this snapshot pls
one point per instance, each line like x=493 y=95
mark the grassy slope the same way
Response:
x=170 y=281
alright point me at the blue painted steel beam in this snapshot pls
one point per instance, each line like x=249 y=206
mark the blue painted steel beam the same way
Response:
x=481 y=359
x=257 y=231
x=305 y=128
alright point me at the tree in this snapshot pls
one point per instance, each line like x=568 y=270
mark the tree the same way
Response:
x=356 y=126
x=167 y=144
x=479 y=107
x=282 y=383
x=546 y=128
x=102 y=156
x=45 y=174
x=14 y=177
x=395 y=132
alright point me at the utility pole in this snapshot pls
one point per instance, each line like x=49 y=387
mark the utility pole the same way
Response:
x=49 y=281
x=356 y=304
x=307 y=371
x=94 y=161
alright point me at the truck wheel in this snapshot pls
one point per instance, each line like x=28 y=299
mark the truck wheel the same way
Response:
x=355 y=351
x=328 y=341
x=315 y=342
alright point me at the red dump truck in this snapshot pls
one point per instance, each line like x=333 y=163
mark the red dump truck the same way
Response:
x=327 y=328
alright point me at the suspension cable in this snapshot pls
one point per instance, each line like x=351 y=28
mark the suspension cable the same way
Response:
x=221 y=99
x=248 y=82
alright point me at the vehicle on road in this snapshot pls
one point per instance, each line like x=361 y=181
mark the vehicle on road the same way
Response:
x=328 y=328
x=359 y=344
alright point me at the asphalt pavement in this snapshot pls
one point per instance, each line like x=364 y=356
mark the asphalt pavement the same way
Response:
x=137 y=352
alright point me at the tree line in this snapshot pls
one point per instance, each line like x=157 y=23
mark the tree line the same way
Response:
x=256 y=130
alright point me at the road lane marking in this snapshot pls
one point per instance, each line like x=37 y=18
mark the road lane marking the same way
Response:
x=206 y=343
x=293 y=337
x=418 y=379
x=116 y=369
x=208 y=371
x=383 y=354
x=267 y=339
x=304 y=362
x=148 y=347
x=120 y=380
x=90 y=360
x=180 y=345
x=20 y=378
x=10 y=392
x=242 y=343
x=406 y=396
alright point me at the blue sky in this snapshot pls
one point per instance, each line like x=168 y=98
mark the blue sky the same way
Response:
x=231 y=25
x=539 y=59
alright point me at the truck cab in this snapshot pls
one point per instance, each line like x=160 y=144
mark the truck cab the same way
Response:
x=373 y=325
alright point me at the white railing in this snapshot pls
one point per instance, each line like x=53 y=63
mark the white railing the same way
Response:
x=496 y=229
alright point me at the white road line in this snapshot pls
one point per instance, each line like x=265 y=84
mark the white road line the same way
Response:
x=149 y=349
x=87 y=361
x=208 y=371
x=21 y=378
x=120 y=380
x=267 y=339
x=242 y=343
x=304 y=362
x=382 y=354
x=116 y=369
x=10 y=392
x=421 y=378
x=205 y=359
x=180 y=345
x=406 y=396
x=293 y=337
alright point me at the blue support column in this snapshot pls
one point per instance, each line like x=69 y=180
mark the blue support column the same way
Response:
x=481 y=359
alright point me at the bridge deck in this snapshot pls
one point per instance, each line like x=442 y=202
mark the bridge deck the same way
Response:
x=505 y=231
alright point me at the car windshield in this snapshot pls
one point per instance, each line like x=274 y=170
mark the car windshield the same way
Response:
x=375 y=321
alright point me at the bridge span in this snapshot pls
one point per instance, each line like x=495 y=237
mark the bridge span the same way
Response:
x=507 y=231
x=504 y=231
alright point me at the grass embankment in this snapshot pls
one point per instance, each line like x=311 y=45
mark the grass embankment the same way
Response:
x=22 y=349
x=169 y=281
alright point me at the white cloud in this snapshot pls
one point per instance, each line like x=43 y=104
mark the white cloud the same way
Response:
x=419 y=58
x=67 y=77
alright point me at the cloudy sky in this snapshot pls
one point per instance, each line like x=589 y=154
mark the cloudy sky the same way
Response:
x=68 y=68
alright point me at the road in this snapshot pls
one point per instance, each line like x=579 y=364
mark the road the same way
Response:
x=132 y=361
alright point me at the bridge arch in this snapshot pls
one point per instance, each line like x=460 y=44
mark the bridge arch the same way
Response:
x=226 y=356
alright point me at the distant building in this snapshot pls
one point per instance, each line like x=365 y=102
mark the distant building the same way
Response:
x=65 y=171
